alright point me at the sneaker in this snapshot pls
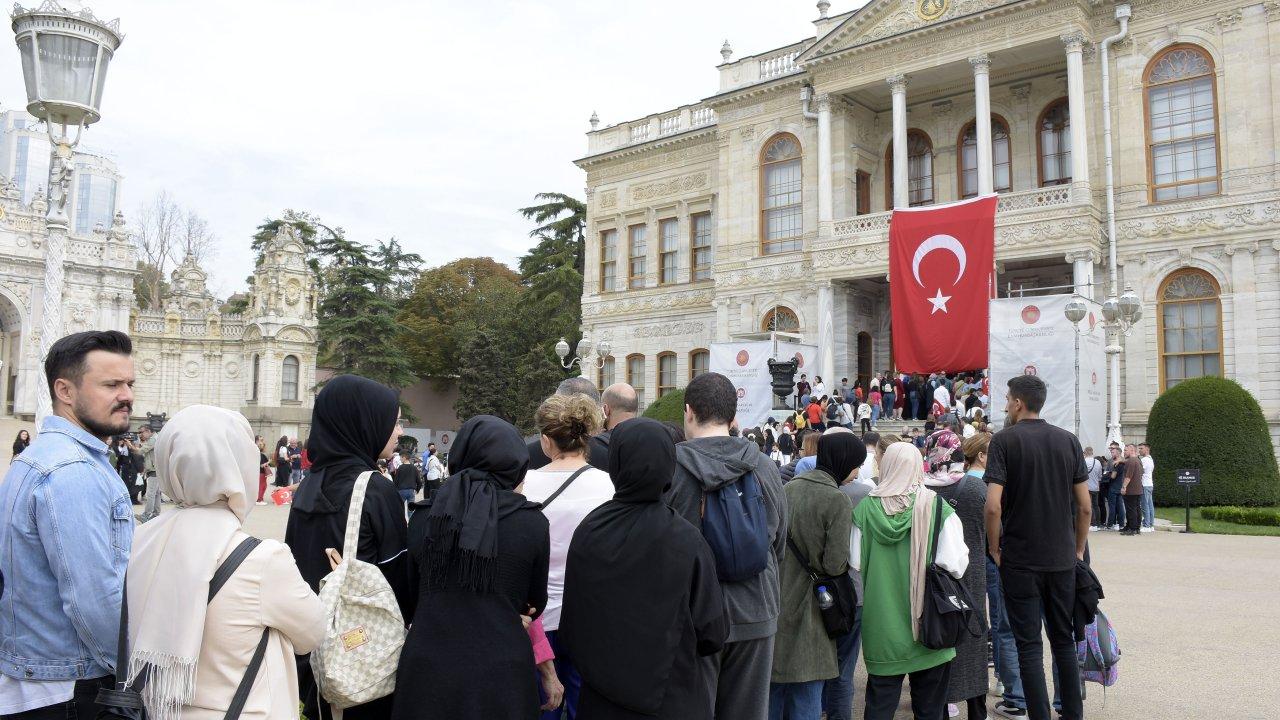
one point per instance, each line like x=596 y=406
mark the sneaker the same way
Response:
x=1115 y=527
x=999 y=689
x=260 y=502
x=1094 y=528
x=1004 y=709
x=1148 y=529
x=952 y=710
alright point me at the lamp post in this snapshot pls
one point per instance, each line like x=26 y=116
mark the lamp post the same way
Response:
x=584 y=352
x=1119 y=315
x=65 y=52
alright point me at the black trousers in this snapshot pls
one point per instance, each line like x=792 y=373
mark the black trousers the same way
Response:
x=1096 y=520
x=866 y=425
x=1029 y=595
x=928 y=694
x=1132 y=512
x=80 y=707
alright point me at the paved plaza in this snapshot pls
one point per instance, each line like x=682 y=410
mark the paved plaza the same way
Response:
x=1198 y=618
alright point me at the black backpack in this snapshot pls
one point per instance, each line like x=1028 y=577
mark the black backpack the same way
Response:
x=948 y=607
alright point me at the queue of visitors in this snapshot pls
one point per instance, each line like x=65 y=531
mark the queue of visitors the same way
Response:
x=611 y=567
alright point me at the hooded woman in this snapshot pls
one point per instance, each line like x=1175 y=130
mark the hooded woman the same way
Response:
x=480 y=553
x=195 y=651
x=641 y=601
x=890 y=547
x=968 y=495
x=355 y=422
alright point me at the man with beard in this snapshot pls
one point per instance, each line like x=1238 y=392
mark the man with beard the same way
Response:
x=66 y=529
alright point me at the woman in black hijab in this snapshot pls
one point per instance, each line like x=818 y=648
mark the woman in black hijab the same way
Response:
x=479 y=553
x=641 y=600
x=355 y=422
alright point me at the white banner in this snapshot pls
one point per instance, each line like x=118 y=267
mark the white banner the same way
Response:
x=746 y=364
x=1032 y=336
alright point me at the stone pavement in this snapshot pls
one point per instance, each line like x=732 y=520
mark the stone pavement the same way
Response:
x=1198 y=618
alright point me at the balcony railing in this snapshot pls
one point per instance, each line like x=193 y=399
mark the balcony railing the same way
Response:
x=778 y=65
x=703 y=116
x=653 y=127
x=878 y=223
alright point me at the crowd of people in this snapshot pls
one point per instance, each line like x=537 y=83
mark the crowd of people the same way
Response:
x=609 y=567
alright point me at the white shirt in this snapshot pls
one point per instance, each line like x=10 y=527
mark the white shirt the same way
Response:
x=864 y=412
x=819 y=389
x=1148 y=471
x=22 y=695
x=435 y=468
x=969 y=431
x=589 y=491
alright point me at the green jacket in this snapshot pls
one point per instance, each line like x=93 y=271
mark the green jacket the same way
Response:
x=818 y=521
x=888 y=647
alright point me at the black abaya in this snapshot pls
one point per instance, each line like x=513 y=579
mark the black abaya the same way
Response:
x=641 y=600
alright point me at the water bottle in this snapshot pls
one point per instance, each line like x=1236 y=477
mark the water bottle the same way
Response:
x=825 y=601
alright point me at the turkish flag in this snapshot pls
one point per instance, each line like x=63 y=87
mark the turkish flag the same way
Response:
x=941 y=277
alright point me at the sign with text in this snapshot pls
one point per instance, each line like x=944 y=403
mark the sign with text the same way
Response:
x=1189 y=476
x=746 y=364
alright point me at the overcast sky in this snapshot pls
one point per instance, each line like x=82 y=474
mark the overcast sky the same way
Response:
x=430 y=121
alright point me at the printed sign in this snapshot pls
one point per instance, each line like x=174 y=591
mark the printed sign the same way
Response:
x=746 y=364
x=1189 y=476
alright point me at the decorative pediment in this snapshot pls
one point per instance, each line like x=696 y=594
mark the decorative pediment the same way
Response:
x=881 y=19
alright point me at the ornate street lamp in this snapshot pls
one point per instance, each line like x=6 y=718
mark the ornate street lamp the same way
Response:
x=584 y=352
x=65 y=53
x=1119 y=315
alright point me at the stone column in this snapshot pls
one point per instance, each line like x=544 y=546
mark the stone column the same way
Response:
x=825 y=194
x=1074 y=42
x=1082 y=272
x=982 y=101
x=722 y=319
x=1243 y=338
x=826 y=331
x=898 y=84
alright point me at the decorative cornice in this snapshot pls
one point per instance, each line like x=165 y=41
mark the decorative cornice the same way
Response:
x=677 y=139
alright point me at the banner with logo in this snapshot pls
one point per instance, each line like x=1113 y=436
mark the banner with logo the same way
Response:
x=746 y=364
x=1032 y=336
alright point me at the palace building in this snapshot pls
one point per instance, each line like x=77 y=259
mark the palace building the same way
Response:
x=766 y=205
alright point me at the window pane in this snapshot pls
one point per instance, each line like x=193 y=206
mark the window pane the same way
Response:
x=1172 y=341
x=1173 y=370
x=699 y=364
x=1191 y=341
x=1212 y=365
x=1193 y=366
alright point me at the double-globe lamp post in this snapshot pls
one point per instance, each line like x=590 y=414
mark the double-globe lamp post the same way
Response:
x=65 y=53
x=584 y=352
x=1119 y=314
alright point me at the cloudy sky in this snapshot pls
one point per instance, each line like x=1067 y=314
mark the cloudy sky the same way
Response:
x=427 y=120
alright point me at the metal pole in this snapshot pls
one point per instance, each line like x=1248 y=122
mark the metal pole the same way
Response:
x=54 y=257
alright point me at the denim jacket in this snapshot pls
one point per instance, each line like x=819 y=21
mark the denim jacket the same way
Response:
x=67 y=527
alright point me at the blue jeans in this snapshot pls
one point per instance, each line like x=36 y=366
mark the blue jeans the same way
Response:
x=1148 y=508
x=569 y=677
x=1117 y=510
x=887 y=399
x=406 y=495
x=837 y=693
x=1004 y=647
x=796 y=701
x=875 y=414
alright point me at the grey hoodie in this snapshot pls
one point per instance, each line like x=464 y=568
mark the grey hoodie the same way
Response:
x=705 y=464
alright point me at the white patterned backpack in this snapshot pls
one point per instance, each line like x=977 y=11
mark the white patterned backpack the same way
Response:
x=356 y=662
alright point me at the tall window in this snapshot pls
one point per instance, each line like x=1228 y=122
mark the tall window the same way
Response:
x=606 y=373
x=1190 y=327
x=782 y=319
x=781 y=190
x=666 y=373
x=1182 y=124
x=609 y=260
x=668 y=250
x=635 y=376
x=289 y=379
x=638 y=244
x=1054 y=142
x=862 y=192
x=703 y=254
x=699 y=363
x=257 y=369
x=919 y=170
x=1001 y=167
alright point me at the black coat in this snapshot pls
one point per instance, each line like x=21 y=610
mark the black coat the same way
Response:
x=969 y=669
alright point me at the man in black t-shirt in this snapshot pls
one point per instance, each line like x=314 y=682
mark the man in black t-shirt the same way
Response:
x=1035 y=473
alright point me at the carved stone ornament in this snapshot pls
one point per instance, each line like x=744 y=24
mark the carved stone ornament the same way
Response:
x=1199 y=221
x=191 y=368
x=670 y=186
x=148 y=366
x=608 y=199
x=647 y=303
x=292 y=292
x=669 y=329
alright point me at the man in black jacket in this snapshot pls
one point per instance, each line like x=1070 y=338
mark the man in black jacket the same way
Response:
x=408 y=478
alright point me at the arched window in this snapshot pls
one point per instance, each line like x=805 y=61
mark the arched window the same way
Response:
x=257 y=370
x=1182 y=124
x=1190 y=321
x=781 y=319
x=289 y=378
x=606 y=374
x=919 y=170
x=1054 y=143
x=666 y=373
x=635 y=377
x=780 y=188
x=699 y=363
x=1001 y=166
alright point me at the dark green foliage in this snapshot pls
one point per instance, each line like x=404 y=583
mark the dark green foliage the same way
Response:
x=668 y=408
x=1215 y=425
x=1268 y=516
x=552 y=270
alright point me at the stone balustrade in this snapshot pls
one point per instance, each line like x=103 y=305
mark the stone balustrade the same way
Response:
x=652 y=127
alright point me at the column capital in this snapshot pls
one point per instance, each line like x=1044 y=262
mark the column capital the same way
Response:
x=1073 y=40
x=824 y=102
x=981 y=63
x=897 y=83
x=1090 y=256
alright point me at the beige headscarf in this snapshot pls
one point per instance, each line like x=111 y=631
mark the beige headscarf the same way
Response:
x=901 y=479
x=207 y=462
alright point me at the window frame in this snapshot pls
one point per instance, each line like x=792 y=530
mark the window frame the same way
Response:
x=1048 y=108
x=1161 y=353
x=631 y=380
x=694 y=353
x=694 y=266
x=613 y=264
x=634 y=281
x=1146 y=115
x=888 y=175
x=673 y=254
x=769 y=315
x=675 y=378
x=297 y=379
x=964 y=130
x=762 y=216
x=610 y=363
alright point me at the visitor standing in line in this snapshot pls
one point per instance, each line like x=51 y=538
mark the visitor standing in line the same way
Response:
x=1094 y=466
x=264 y=468
x=1035 y=478
x=1148 y=487
x=1133 y=490
x=408 y=478
x=284 y=464
x=65 y=536
x=1115 y=475
x=837 y=693
x=147 y=449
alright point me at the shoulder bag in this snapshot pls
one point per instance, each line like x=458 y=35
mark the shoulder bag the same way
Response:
x=841 y=605
x=564 y=485
x=948 y=607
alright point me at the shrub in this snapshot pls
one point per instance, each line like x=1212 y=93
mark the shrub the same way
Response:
x=668 y=408
x=1243 y=516
x=1215 y=425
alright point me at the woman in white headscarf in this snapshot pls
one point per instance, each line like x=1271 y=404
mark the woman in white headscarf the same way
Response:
x=195 y=651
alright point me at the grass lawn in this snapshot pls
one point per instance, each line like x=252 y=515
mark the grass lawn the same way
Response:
x=1217 y=527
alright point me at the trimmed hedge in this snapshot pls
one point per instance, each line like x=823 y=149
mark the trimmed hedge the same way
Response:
x=1215 y=425
x=668 y=408
x=1243 y=516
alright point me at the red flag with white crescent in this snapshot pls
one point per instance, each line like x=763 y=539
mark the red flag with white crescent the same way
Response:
x=941 y=277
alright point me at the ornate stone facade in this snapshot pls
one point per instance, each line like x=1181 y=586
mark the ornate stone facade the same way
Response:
x=1027 y=56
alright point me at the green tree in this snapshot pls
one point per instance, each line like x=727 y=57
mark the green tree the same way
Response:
x=552 y=269
x=402 y=268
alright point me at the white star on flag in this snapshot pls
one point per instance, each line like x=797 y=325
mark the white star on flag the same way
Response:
x=939 y=302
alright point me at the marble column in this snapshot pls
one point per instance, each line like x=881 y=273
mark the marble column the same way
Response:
x=898 y=85
x=982 y=102
x=1074 y=42
x=1082 y=272
x=826 y=332
x=826 y=196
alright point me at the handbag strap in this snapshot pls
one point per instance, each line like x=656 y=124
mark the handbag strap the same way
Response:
x=804 y=561
x=937 y=527
x=228 y=566
x=565 y=485
x=220 y=578
x=351 y=540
